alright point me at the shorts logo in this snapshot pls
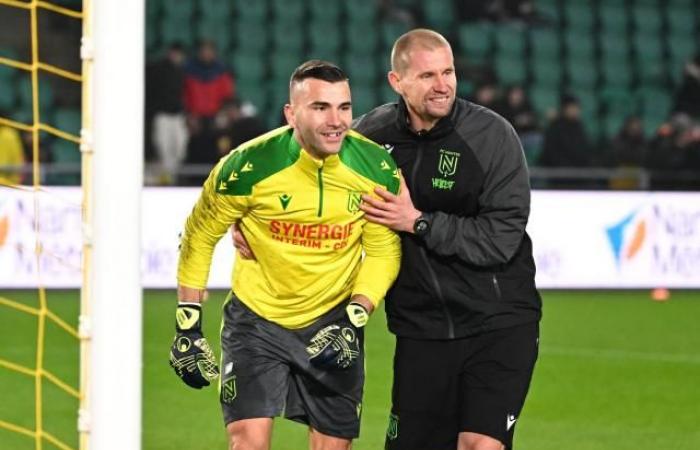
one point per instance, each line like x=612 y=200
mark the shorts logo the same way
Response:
x=228 y=390
x=354 y=200
x=392 y=432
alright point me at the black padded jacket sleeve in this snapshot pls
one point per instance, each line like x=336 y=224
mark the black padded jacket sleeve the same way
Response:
x=493 y=235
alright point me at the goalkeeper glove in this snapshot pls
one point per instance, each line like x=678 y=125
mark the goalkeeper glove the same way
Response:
x=337 y=346
x=190 y=355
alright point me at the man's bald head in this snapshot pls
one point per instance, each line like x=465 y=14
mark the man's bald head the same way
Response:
x=418 y=38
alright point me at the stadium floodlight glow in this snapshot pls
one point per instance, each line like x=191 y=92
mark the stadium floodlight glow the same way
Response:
x=113 y=43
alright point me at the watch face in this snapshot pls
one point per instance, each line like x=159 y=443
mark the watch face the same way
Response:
x=421 y=227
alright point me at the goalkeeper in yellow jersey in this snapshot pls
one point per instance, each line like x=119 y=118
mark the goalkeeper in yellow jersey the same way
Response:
x=292 y=336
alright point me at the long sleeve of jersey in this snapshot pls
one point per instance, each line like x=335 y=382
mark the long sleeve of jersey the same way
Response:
x=302 y=219
x=209 y=220
x=380 y=266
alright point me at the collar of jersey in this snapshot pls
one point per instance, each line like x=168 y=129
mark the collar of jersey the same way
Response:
x=308 y=162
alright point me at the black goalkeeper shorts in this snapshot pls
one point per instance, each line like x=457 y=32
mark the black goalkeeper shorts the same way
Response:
x=265 y=372
x=476 y=384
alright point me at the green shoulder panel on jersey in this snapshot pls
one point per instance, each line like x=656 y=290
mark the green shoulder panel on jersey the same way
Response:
x=255 y=160
x=370 y=160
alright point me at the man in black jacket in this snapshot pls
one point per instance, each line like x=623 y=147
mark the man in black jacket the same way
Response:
x=464 y=309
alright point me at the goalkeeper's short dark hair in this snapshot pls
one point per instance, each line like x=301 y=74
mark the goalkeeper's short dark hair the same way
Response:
x=319 y=69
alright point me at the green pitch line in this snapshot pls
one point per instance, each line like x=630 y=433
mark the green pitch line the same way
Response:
x=616 y=371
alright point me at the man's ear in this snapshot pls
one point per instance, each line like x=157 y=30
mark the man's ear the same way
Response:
x=289 y=114
x=394 y=79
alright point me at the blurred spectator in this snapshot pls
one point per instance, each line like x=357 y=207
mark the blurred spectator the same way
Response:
x=402 y=14
x=11 y=156
x=565 y=141
x=676 y=145
x=516 y=108
x=629 y=147
x=486 y=95
x=688 y=97
x=497 y=10
x=236 y=124
x=207 y=82
x=628 y=151
x=165 y=87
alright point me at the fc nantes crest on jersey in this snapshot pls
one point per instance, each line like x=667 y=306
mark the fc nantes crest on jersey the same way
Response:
x=302 y=219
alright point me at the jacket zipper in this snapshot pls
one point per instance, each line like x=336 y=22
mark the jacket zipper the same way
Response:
x=320 y=191
x=431 y=272
x=497 y=287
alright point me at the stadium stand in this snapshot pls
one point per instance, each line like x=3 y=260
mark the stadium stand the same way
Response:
x=620 y=58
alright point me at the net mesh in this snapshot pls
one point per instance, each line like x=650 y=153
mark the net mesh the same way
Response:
x=55 y=391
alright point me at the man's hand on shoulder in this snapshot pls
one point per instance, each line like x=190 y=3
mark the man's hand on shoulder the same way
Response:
x=394 y=211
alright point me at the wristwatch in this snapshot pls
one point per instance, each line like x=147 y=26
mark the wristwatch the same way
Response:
x=421 y=226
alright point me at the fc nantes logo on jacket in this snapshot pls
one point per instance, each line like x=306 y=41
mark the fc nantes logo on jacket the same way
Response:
x=447 y=166
x=354 y=201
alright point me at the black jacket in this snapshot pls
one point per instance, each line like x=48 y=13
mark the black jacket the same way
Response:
x=474 y=270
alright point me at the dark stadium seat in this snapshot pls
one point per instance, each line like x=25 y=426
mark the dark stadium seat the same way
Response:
x=283 y=62
x=251 y=36
x=178 y=10
x=511 y=40
x=289 y=10
x=360 y=68
x=579 y=16
x=215 y=9
x=361 y=37
x=253 y=12
x=361 y=10
x=476 y=40
x=550 y=12
x=545 y=43
x=325 y=38
x=325 y=10
x=176 y=29
x=248 y=64
x=545 y=98
x=7 y=94
x=646 y=19
x=547 y=71
x=217 y=30
x=283 y=40
x=253 y=90
x=613 y=17
x=68 y=120
x=510 y=70
x=439 y=14
x=364 y=98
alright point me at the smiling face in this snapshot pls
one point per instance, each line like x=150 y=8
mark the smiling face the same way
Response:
x=427 y=84
x=320 y=113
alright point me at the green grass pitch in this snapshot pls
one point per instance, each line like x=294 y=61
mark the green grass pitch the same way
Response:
x=616 y=371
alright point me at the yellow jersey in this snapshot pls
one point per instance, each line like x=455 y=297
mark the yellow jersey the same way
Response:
x=302 y=220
